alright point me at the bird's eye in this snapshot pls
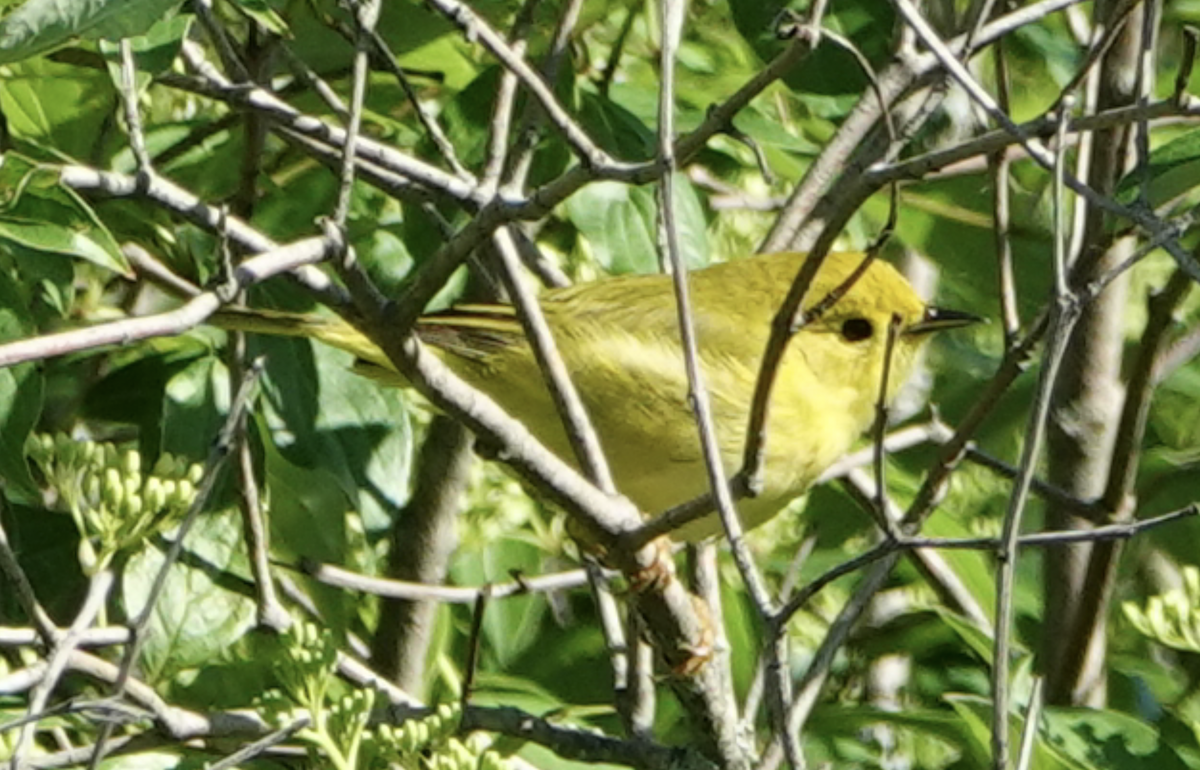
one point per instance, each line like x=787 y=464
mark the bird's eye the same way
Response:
x=857 y=330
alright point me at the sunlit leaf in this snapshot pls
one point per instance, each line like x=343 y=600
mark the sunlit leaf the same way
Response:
x=41 y=25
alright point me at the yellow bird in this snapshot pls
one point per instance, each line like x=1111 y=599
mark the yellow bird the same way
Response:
x=619 y=339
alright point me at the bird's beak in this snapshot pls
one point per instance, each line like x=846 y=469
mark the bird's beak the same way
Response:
x=937 y=319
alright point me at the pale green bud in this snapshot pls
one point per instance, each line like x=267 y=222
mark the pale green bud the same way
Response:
x=153 y=494
x=87 y=556
x=163 y=465
x=131 y=462
x=463 y=756
x=133 y=485
x=91 y=488
x=407 y=740
x=35 y=449
x=114 y=490
x=492 y=760
x=64 y=447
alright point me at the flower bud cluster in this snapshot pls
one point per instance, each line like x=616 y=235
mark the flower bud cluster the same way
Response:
x=305 y=669
x=432 y=743
x=1172 y=618
x=114 y=504
x=340 y=731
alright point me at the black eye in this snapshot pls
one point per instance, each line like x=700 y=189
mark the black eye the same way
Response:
x=857 y=330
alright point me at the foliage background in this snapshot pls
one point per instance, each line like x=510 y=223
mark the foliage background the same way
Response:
x=334 y=455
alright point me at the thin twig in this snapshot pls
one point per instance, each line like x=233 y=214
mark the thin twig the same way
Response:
x=723 y=713
x=576 y=421
x=475 y=28
x=172 y=322
x=1064 y=311
x=474 y=643
x=59 y=657
x=366 y=14
x=331 y=575
x=182 y=203
x=1029 y=732
x=998 y=163
x=129 y=96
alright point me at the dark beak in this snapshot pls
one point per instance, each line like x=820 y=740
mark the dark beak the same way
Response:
x=938 y=319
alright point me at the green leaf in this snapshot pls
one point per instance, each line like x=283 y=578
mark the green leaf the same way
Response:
x=308 y=520
x=1109 y=739
x=615 y=128
x=49 y=103
x=52 y=238
x=266 y=16
x=618 y=222
x=830 y=70
x=47 y=547
x=1173 y=170
x=20 y=397
x=204 y=607
x=153 y=52
x=40 y=215
x=194 y=406
x=975 y=637
x=322 y=414
x=510 y=626
x=937 y=733
x=41 y=25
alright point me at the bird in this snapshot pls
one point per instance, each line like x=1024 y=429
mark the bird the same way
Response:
x=619 y=340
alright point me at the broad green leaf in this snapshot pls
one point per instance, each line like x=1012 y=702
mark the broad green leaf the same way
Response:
x=265 y=16
x=617 y=129
x=41 y=25
x=205 y=605
x=47 y=547
x=153 y=52
x=510 y=625
x=975 y=638
x=131 y=392
x=307 y=508
x=20 y=397
x=830 y=70
x=56 y=106
x=323 y=415
x=618 y=223
x=1109 y=739
x=53 y=238
x=976 y=715
x=41 y=216
x=935 y=734
x=1173 y=170
x=194 y=406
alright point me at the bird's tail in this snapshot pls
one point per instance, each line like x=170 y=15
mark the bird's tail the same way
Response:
x=330 y=330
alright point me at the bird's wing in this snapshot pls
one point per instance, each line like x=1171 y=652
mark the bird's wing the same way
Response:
x=473 y=332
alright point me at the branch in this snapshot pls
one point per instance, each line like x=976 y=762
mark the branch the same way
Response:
x=173 y=322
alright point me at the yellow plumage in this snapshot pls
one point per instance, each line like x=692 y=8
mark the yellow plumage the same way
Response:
x=619 y=340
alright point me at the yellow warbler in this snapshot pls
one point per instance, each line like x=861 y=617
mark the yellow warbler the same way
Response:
x=619 y=340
